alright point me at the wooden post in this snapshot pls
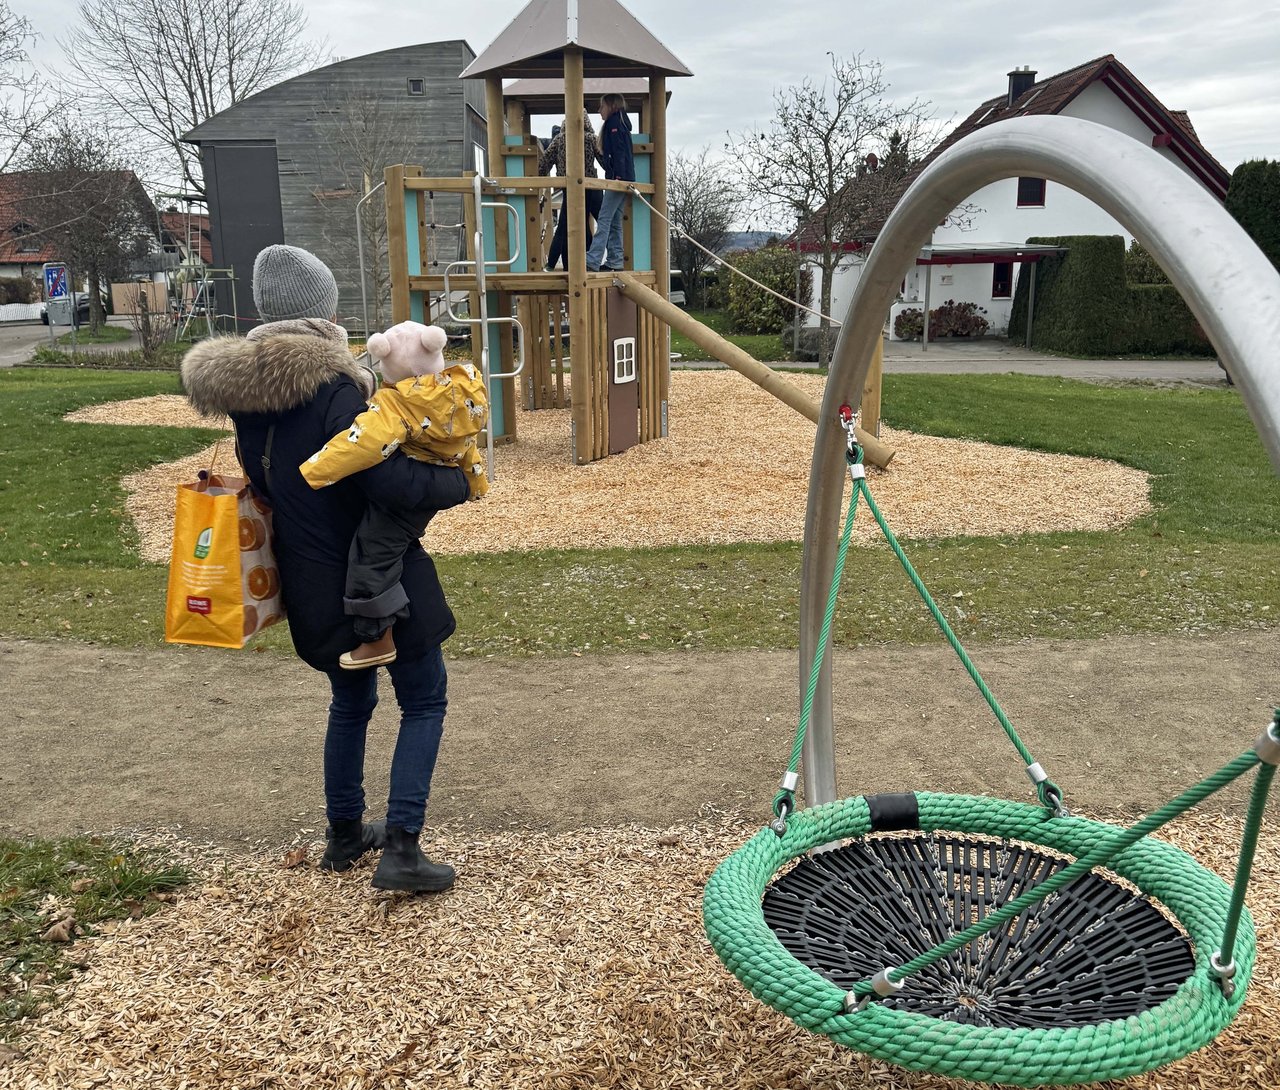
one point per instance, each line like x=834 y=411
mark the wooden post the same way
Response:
x=575 y=209
x=869 y=409
x=517 y=118
x=397 y=244
x=877 y=453
x=660 y=240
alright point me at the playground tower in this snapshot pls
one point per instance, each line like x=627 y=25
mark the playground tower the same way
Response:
x=563 y=55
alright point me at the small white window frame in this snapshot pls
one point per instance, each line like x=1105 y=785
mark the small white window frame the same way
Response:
x=624 y=360
x=422 y=86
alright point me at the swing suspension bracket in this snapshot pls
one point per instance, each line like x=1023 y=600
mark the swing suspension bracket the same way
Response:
x=784 y=802
x=852 y=448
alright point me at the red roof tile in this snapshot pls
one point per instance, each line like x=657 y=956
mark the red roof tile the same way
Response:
x=175 y=224
x=15 y=191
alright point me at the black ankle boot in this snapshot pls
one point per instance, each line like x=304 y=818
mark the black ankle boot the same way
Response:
x=403 y=866
x=347 y=841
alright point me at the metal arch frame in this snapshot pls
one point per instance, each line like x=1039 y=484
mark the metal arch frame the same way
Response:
x=1230 y=286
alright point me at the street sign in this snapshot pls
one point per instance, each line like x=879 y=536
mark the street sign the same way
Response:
x=55 y=281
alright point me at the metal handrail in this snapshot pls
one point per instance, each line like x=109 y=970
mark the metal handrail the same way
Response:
x=480 y=265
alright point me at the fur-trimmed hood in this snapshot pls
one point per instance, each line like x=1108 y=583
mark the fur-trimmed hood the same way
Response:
x=271 y=373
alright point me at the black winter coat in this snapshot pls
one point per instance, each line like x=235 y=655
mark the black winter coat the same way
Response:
x=311 y=389
x=615 y=143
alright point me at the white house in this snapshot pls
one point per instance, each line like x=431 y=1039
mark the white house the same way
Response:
x=977 y=256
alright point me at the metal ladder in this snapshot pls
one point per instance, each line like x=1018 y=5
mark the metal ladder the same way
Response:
x=481 y=267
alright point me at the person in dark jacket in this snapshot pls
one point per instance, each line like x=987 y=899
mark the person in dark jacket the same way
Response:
x=287 y=387
x=620 y=166
x=555 y=155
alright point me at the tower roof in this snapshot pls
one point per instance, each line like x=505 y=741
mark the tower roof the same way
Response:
x=613 y=42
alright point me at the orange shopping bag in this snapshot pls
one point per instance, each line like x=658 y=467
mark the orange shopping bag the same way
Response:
x=224 y=585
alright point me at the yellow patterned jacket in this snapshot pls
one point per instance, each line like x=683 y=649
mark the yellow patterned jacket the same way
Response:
x=434 y=418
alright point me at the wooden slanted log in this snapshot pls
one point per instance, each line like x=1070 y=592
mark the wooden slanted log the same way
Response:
x=875 y=451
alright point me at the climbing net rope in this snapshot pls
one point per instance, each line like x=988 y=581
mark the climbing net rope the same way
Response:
x=976 y=937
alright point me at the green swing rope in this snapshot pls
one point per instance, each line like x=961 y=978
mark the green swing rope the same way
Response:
x=1049 y=794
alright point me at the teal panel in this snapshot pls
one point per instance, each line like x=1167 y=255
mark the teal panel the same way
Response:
x=641 y=217
x=497 y=410
x=417 y=308
x=411 y=231
x=488 y=221
x=514 y=164
x=516 y=140
x=641 y=238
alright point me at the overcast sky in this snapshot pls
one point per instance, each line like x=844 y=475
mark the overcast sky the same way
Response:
x=1220 y=61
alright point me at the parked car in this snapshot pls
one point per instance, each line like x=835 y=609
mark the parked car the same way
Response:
x=677 y=288
x=82 y=309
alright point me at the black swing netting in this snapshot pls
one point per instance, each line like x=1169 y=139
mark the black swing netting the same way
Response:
x=1102 y=951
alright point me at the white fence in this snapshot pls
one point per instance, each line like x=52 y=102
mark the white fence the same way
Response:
x=19 y=312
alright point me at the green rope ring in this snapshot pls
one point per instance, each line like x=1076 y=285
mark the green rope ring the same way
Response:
x=1114 y=1049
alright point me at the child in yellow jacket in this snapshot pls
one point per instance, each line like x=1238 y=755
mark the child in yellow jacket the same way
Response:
x=424 y=410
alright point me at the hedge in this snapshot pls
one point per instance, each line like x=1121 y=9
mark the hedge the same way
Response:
x=1254 y=199
x=1085 y=306
x=754 y=311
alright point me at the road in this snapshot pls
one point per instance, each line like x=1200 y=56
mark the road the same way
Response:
x=995 y=356
x=18 y=340
x=988 y=355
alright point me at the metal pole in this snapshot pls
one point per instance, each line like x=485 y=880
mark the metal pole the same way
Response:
x=1031 y=300
x=795 y=340
x=75 y=307
x=1231 y=288
x=924 y=332
x=364 y=299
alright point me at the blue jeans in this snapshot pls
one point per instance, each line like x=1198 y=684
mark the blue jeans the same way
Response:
x=421 y=693
x=608 y=232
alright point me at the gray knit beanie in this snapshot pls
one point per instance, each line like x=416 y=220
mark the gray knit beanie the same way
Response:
x=289 y=282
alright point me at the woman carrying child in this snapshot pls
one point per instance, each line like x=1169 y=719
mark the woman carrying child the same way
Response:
x=288 y=387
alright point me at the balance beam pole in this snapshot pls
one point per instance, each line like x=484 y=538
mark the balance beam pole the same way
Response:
x=876 y=452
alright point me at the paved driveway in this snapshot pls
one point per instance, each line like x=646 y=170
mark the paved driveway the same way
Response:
x=990 y=355
x=18 y=340
x=995 y=356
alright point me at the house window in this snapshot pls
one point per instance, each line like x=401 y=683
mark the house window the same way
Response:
x=27 y=243
x=417 y=86
x=1030 y=192
x=1002 y=280
x=624 y=360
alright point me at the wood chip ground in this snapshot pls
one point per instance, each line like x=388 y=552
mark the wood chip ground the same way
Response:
x=735 y=468
x=570 y=962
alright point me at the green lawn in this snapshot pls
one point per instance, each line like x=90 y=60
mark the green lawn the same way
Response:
x=107 y=334
x=1208 y=558
x=44 y=884
x=765 y=347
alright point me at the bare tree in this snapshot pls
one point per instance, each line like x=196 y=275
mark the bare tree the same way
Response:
x=828 y=158
x=702 y=204
x=23 y=108
x=357 y=138
x=81 y=198
x=168 y=68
